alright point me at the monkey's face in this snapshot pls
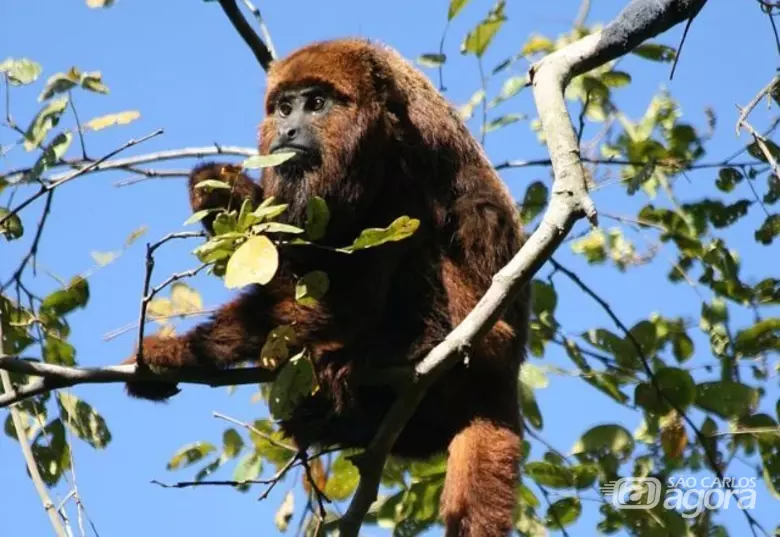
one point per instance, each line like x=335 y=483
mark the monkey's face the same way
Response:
x=298 y=115
x=323 y=104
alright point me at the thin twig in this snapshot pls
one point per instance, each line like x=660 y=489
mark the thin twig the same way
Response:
x=745 y=112
x=251 y=428
x=73 y=175
x=127 y=163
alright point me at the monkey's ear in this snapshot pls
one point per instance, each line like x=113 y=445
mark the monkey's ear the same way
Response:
x=241 y=188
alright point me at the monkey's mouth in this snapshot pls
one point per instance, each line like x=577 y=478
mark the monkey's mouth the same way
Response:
x=305 y=159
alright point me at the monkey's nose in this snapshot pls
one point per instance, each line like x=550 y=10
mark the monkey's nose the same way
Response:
x=288 y=134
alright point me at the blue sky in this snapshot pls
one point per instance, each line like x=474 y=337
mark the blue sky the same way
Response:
x=180 y=63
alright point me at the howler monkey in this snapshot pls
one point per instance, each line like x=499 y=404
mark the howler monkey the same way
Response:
x=376 y=141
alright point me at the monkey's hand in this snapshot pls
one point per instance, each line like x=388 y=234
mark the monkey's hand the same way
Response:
x=241 y=188
x=159 y=353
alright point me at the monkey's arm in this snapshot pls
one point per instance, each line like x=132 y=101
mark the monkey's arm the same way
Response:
x=242 y=187
x=238 y=330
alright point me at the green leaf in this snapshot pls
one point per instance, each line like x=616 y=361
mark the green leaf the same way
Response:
x=550 y=475
x=212 y=184
x=616 y=79
x=294 y=382
x=266 y=211
x=534 y=201
x=198 y=216
x=455 y=7
x=59 y=352
x=83 y=420
x=343 y=479
x=311 y=287
x=757 y=151
x=255 y=261
x=12 y=228
x=317 y=218
x=267 y=161
x=511 y=87
x=606 y=439
x=51 y=155
x=276 y=347
x=51 y=452
x=63 y=301
x=277 y=227
x=93 y=82
x=431 y=60
x=247 y=469
x=563 y=512
x=270 y=443
x=46 y=119
x=530 y=407
x=503 y=121
x=769 y=229
x=60 y=83
x=585 y=475
x=677 y=386
x=727 y=399
x=22 y=71
x=655 y=52
x=761 y=337
x=478 y=40
x=190 y=454
x=232 y=443
x=728 y=178
x=401 y=228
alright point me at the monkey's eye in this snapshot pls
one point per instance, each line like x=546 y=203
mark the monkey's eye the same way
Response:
x=316 y=103
x=284 y=108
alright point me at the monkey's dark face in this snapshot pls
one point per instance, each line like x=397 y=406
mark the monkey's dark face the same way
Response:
x=296 y=115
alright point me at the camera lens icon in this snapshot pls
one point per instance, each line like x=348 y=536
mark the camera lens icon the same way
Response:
x=634 y=492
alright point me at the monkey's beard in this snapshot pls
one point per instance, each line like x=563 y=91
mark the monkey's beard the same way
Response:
x=335 y=180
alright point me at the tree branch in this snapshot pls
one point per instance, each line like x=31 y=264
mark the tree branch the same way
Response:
x=127 y=163
x=256 y=45
x=29 y=458
x=61 y=180
x=57 y=376
x=569 y=202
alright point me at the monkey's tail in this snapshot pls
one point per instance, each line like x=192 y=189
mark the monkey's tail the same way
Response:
x=480 y=488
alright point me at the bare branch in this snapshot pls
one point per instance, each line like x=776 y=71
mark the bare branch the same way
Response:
x=745 y=112
x=73 y=175
x=256 y=45
x=57 y=376
x=128 y=163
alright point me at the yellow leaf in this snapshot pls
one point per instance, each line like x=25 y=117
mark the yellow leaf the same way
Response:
x=120 y=118
x=185 y=299
x=255 y=261
x=159 y=307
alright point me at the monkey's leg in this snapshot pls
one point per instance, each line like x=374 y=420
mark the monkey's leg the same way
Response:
x=482 y=473
x=241 y=188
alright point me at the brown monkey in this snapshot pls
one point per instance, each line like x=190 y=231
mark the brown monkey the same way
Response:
x=374 y=138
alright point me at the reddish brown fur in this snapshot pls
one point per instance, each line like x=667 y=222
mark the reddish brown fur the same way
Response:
x=392 y=147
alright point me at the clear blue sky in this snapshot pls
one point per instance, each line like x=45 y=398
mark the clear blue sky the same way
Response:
x=181 y=64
